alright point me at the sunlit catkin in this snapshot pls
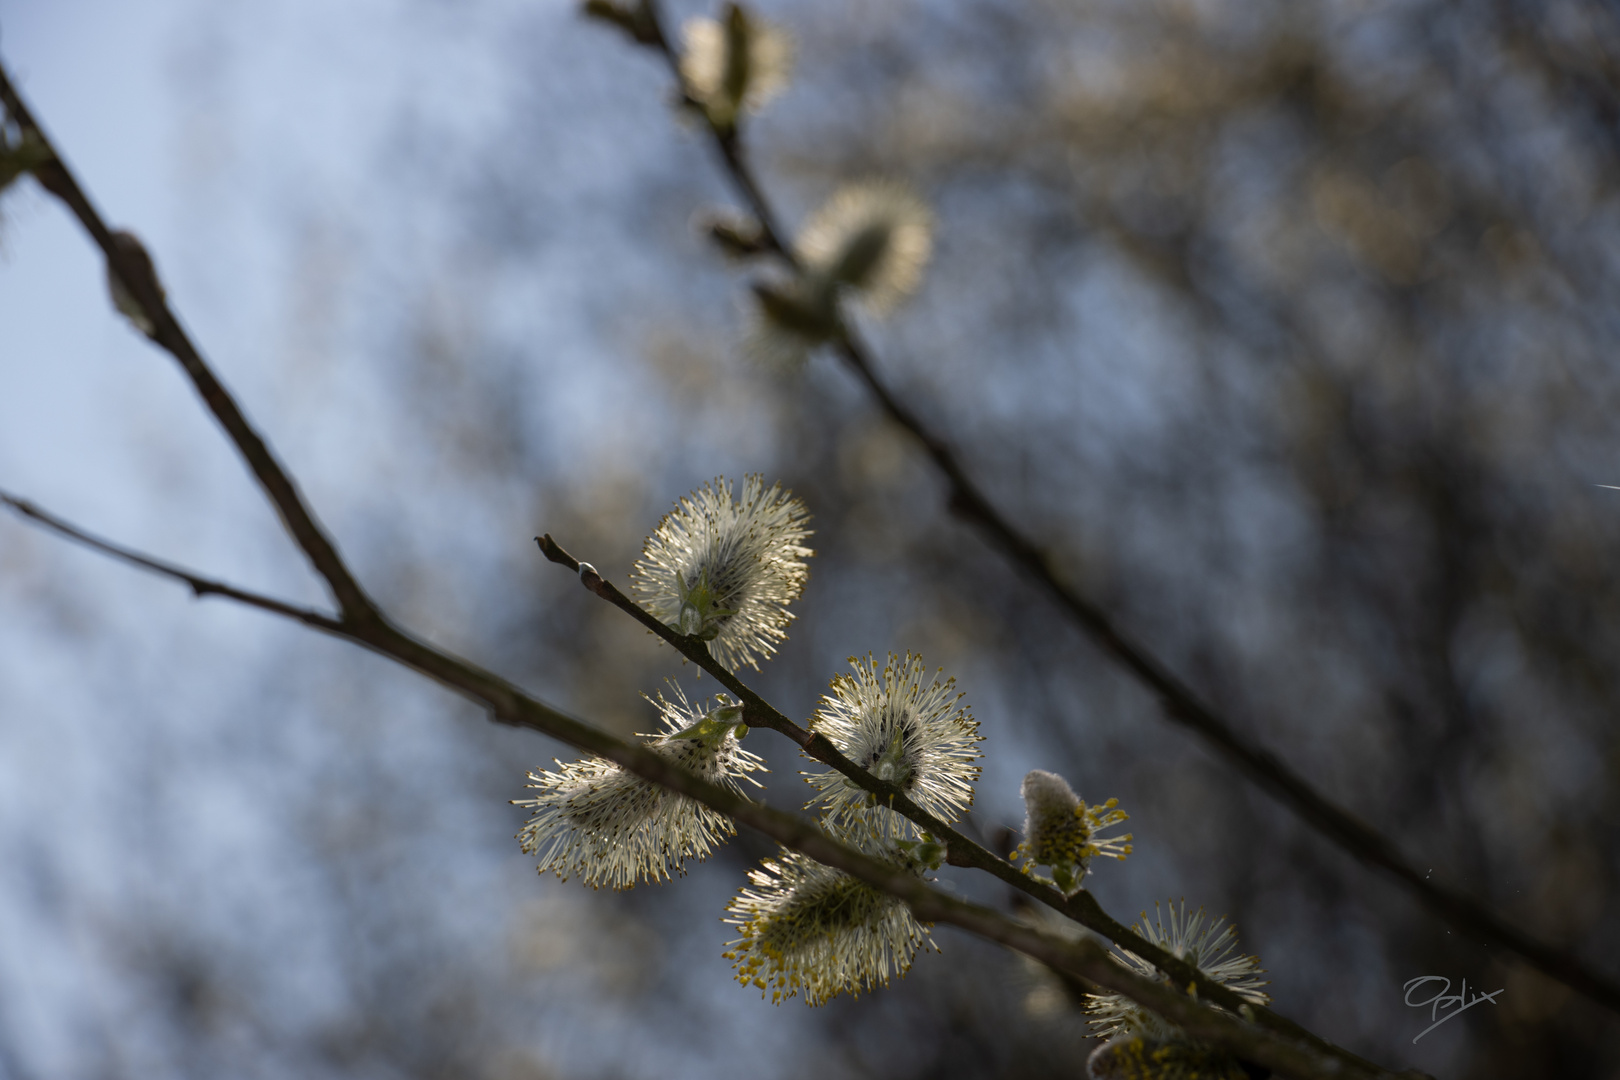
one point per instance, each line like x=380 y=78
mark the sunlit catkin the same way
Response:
x=725 y=571
x=871 y=240
x=595 y=821
x=807 y=930
x=734 y=65
x=1062 y=833
x=869 y=243
x=904 y=726
x=1208 y=944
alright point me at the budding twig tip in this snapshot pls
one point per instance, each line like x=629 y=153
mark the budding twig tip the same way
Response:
x=591 y=579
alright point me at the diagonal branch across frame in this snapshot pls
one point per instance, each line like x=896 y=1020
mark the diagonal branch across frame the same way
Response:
x=133 y=269
x=1180 y=702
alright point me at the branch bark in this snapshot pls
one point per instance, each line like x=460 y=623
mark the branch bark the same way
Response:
x=128 y=262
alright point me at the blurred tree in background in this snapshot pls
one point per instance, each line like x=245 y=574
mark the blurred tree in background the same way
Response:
x=1288 y=329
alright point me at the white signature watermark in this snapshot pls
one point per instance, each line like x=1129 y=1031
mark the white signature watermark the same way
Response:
x=1458 y=1003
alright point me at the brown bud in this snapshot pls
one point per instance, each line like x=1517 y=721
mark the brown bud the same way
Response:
x=131 y=258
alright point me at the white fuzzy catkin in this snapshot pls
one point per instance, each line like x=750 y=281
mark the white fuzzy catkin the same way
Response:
x=870 y=243
x=807 y=930
x=872 y=238
x=902 y=725
x=1063 y=833
x=726 y=571
x=606 y=826
x=1053 y=826
x=735 y=64
x=1208 y=944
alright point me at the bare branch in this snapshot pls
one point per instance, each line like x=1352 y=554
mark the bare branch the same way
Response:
x=129 y=265
x=200 y=586
x=1181 y=704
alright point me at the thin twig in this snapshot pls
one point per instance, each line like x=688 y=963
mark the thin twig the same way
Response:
x=200 y=586
x=1181 y=704
x=128 y=261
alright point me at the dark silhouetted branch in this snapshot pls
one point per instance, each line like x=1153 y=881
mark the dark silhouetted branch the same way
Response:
x=128 y=263
x=200 y=586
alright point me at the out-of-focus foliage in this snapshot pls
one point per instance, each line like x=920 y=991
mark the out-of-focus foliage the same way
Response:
x=1288 y=328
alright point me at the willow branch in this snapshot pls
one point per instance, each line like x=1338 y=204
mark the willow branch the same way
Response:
x=128 y=262
x=1284 y=1053
x=201 y=587
x=960 y=850
x=1180 y=703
